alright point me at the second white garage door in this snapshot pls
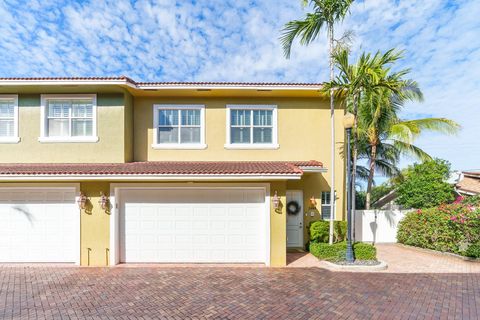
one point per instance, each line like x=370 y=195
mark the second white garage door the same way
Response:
x=193 y=225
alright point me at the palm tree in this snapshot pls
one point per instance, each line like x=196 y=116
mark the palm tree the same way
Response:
x=325 y=12
x=384 y=137
x=371 y=73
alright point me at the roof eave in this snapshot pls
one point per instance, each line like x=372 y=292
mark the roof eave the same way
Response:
x=151 y=177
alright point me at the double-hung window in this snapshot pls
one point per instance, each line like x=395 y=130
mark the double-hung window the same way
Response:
x=9 y=119
x=251 y=127
x=69 y=118
x=326 y=205
x=179 y=127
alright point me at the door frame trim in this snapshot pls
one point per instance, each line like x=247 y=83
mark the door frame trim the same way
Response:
x=115 y=188
x=302 y=234
x=75 y=187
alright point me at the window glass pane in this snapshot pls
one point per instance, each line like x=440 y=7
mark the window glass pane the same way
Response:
x=6 y=109
x=326 y=197
x=326 y=212
x=190 y=135
x=240 y=117
x=82 y=108
x=168 y=117
x=262 y=117
x=58 y=108
x=6 y=128
x=240 y=135
x=168 y=135
x=190 y=117
x=262 y=135
x=58 y=128
x=81 y=127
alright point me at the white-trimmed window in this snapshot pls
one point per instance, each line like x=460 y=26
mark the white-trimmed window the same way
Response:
x=326 y=208
x=69 y=118
x=9 y=119
x=179 y=126
x=251 y=127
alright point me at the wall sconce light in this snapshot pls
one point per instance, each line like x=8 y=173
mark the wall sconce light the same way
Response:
x=276 y=201
x=313 y=202
x=103 y=201
x=82 y=201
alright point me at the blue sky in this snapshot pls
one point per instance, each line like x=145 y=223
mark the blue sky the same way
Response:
x=230 y=40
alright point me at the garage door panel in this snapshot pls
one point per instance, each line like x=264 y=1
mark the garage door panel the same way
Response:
x=202 y=226
x=38 y=225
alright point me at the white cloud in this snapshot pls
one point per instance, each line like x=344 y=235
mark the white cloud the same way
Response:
x=238 y=41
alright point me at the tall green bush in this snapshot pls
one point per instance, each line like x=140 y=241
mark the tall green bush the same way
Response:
x=424 y=185
x=319 y=231
x=449 y=228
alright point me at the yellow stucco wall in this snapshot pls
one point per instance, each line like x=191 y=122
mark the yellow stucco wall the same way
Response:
x=278 y=226
x=303 y=134
x=94 y=226
x=109 y=148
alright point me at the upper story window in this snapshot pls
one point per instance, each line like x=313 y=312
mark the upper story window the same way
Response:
x=69 y=118
x=179 y=127
x=251 y=127
x=9 y=119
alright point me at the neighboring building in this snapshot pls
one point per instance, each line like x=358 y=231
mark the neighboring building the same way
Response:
x=98 y=171
x=468 y=183
x=387 y=202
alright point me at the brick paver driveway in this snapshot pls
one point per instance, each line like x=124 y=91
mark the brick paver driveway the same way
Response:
x=39 y=292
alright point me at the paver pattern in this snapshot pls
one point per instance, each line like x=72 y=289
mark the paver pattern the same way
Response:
x=151 y=292
x=400 y=259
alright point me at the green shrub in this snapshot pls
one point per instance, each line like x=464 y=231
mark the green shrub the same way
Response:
x=472 y=200
x=364 y=251
x=424 y=185
x=319 y=231
x=473 y=251
x=337 y=251
x=446 y=228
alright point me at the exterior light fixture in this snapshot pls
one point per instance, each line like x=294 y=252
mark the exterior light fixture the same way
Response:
x=348 y=120
x=82 y=201
x=313 y=202
x=276 y=201
x=103 y=201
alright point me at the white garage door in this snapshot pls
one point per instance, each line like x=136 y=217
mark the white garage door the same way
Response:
x=38 y=225
x=193 y=225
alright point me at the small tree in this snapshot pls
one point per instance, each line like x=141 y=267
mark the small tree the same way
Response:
x=425 y=185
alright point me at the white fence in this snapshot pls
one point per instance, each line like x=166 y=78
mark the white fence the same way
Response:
x=379 y=226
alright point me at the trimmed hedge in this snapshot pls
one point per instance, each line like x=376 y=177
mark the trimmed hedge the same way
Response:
x=319 y=231
x=473 y=251
x=448 y=228
x=337 y=251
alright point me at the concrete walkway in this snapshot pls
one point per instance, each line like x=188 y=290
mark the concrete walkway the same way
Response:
x=400 y=259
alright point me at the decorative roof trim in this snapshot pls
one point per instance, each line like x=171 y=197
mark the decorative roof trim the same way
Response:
x=123 y=80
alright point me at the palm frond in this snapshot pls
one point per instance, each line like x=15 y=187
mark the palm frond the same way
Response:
x=307 y=30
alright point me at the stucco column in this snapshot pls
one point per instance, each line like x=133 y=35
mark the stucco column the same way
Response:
x=95 y=226
x=278 y=226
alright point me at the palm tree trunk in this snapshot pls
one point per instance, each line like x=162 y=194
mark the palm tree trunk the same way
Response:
x=354 y=156
x=373 y=157
x=332 y=128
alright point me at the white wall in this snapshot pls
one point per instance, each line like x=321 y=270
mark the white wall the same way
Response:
x=379 y=226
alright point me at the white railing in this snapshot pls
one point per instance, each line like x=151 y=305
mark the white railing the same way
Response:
x=379 y=226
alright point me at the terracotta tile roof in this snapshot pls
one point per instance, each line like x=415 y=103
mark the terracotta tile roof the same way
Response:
x=120 y=78
x=160 y=168
x=470 y=182
x=166 y=83
x=246 y=84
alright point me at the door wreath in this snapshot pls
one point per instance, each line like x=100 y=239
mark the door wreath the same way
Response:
x=293 y=208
